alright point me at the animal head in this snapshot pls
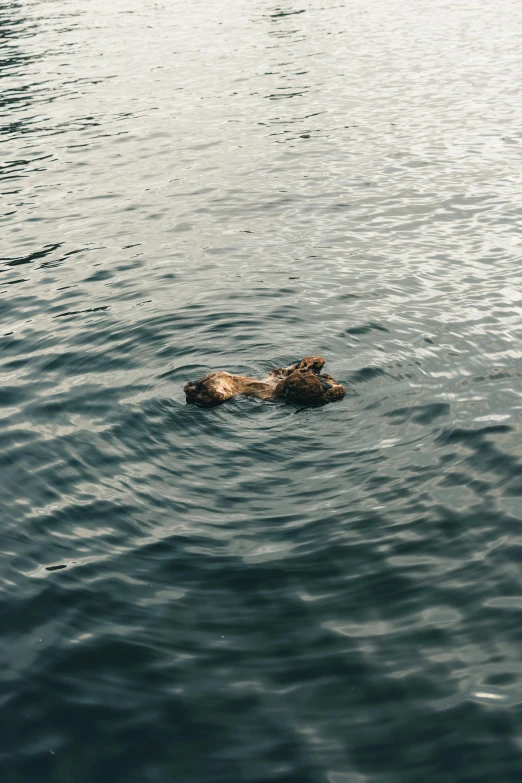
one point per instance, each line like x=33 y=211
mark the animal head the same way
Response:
x=305 y=385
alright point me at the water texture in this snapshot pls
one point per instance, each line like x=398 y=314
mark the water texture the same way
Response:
x=260 y=593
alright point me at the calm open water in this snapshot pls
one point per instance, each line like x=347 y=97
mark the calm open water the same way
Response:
x=259 y=593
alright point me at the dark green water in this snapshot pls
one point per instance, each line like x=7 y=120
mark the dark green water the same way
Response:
x=259 y=593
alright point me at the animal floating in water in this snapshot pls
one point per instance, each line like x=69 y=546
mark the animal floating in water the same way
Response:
x=300 y=383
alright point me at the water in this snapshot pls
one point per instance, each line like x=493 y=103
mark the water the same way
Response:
x=260 y=593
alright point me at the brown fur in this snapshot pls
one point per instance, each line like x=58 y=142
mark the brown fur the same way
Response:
x=301 y=383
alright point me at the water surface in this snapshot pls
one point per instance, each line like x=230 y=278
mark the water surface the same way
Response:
x=259 y=593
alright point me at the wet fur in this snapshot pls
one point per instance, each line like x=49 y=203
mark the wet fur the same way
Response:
x=300 y=383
